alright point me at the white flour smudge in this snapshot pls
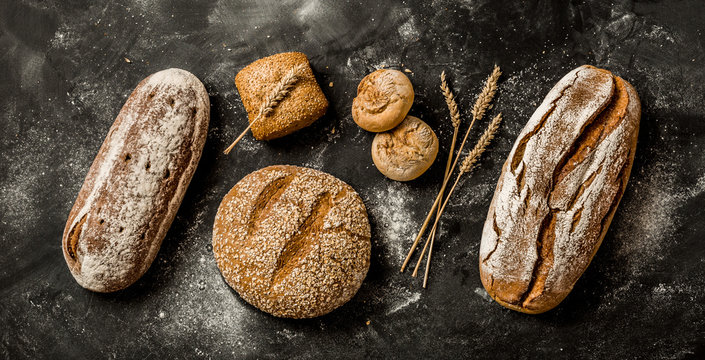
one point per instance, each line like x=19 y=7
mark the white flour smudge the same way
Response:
x=483 y=294
x=651 y=217
x=406 y=300
x=408 y=30
x=391 y=204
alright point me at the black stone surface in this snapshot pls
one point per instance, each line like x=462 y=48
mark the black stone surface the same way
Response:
x=64 y=76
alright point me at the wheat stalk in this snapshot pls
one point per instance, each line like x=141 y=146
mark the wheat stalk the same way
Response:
x=279 y=92
x=481 y=105
x=455 y=120
x=467 y=165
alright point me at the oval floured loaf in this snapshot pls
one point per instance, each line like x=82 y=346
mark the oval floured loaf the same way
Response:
x=559 y=190
x=137 y=181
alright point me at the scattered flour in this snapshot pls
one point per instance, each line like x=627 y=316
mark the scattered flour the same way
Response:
x=648 y=221
x=483 y=294
x=408 y=30
x=390 y=205
x=659 y=33
x=409 y=299
x=310 y=10
x=65 y=37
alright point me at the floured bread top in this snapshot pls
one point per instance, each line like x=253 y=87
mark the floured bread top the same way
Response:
x=383 y=99
x=559 y=188
x=137 y=181
x=405 y=152
x=292 y=241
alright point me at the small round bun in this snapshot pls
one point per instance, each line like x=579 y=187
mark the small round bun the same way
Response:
x=407 y=151
x=292 y=241
x=384 y=97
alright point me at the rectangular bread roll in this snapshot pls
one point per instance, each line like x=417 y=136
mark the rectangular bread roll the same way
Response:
x=303 y=104
x=137 y=181
x=559 y=189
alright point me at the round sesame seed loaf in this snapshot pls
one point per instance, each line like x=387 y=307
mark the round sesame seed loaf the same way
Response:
x=292 y=241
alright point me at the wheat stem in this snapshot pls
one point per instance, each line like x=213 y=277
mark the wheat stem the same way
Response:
x=278 y=93
x=481 y=105
x=428 y=260
x=455 y=120
x=423 y=229
x=467 y=165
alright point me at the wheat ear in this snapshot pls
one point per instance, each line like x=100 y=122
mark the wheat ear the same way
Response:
x=481 y=105
x=455 y=120
x=278 y=93
x=467 y=166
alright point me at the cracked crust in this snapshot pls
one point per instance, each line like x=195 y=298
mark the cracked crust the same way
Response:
x=137 y=181
x=559 y=190
x=384 y=97
x=405 y=152
x=292 y=241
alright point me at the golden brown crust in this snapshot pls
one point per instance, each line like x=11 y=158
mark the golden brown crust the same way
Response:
x=405 y=152
x=384 y=97
x=559 y=190
x=137 y=181
x=292 y=241
x=301 y=107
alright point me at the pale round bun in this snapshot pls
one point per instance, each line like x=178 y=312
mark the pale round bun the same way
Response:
x=292 y=241
x=407 y=151
x=384 y=97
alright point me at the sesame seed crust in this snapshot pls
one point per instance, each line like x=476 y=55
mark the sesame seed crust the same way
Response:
x=292 y=241
x=305 y=103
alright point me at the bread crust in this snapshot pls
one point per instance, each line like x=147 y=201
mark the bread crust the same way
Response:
x=559 y=190
x=304 y=104
x=137 y=181
x=292 y=241
x=405 y=152
x=383 y=99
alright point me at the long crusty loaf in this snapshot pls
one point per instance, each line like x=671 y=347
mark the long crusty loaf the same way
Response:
x=137 y=181
x=559 y=190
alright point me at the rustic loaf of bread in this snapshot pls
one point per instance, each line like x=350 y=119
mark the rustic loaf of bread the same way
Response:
x=292 y=241
x=303 y=105
x=137 y=181
x=559 y=190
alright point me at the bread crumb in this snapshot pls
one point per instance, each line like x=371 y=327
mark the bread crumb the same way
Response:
x=330 y=84
x=128 y=61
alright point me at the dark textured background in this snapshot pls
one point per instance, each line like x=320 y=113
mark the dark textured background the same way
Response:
x=64 y=77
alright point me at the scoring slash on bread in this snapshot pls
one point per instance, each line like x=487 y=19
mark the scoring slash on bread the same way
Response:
x=405 y=152
x=559 y=190
x=292 y=241
x=137 y=181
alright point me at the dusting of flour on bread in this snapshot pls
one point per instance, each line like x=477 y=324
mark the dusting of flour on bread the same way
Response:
x=119 y=227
